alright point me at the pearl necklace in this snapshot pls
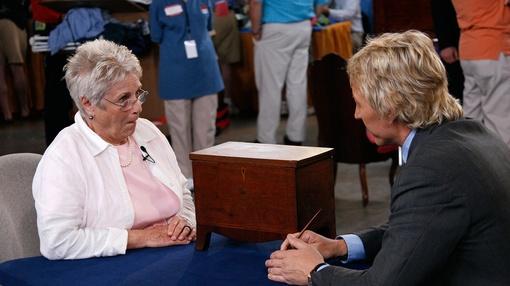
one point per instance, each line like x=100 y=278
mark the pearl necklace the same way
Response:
x=130 y=156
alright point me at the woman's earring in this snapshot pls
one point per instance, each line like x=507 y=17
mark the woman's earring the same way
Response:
x=91 y=117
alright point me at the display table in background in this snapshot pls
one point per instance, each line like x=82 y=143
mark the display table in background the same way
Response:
x=226 y=263
x=335 y=38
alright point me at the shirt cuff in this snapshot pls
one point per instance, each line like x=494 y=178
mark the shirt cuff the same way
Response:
x=355 y=248
x=322 y=267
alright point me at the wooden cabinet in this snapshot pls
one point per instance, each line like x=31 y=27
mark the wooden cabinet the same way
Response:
x=259 y=192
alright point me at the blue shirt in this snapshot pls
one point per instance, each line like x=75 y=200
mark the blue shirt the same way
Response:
x=407 y=145
x=180 y=77
x=355 y=248
x=287 y=11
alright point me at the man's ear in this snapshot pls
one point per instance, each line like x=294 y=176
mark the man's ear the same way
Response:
x=391 y=117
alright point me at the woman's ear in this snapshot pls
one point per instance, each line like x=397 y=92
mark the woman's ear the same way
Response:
x=87 y=105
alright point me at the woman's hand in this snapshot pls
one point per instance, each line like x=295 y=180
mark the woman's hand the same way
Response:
x=328 y=248
x=178 y=229
x=153 y=236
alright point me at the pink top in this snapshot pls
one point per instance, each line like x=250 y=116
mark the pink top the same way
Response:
x=152 y=201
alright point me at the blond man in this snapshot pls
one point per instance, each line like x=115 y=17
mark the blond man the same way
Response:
x=449 y=217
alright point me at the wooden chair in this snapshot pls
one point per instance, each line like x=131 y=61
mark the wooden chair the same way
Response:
x=334 y=108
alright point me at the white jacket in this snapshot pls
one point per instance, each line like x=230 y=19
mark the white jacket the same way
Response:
x=81 y=198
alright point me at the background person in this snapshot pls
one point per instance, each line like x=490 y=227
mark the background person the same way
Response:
x=282 y=32
x=484 y=52
x=449 y=218
x=348 y=10
x=189 y=76
x=448 y=34
x=13 y=18
x=96 y=193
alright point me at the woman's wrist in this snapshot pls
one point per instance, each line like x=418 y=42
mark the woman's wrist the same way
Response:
x=135 y=239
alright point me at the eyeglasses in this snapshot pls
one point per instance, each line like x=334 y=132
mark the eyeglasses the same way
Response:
x=127 y=104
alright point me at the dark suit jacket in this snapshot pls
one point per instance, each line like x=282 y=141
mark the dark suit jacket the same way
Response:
x=450 y=215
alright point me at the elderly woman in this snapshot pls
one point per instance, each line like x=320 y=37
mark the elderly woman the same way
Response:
x=109 y=182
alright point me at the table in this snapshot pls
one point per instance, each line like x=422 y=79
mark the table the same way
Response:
x=335 y=38
x=225 y=263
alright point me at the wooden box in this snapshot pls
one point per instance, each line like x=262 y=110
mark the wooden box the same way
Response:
x=259 y=192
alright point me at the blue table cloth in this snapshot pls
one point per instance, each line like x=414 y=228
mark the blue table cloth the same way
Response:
x=226 y=262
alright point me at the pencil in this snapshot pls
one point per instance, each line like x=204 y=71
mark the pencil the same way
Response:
x=305 y=227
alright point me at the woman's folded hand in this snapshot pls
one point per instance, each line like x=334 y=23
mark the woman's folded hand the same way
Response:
x=178 y=229
x=157 y=236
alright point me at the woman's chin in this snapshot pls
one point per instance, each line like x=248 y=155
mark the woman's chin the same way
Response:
x=129 y=129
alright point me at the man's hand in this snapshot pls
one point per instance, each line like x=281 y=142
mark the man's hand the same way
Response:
x=328 y=248
x=324 y=10
x=256 y=19
x=257 y=34
x=293 y=266
x=449 y=55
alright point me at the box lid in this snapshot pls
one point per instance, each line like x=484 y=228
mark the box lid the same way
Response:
x=270 y=154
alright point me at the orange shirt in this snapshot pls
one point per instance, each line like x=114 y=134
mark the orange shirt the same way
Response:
x=485 y=28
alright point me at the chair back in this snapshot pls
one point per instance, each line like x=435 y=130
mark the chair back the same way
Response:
x=18 y=219
x=334 y=108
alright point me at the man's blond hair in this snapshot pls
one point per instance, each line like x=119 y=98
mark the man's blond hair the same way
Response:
x=401 y=76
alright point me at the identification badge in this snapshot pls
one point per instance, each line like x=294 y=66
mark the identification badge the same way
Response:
x=204 y=9
x=173 y=10
x=191 y=49
x=221 y=8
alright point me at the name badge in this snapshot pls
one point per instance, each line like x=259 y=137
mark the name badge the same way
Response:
x=221 y=8
x=204 y=9
x=173 y=10
x=191 y=49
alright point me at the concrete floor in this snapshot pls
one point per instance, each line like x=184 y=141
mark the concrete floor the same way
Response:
x=28 y=136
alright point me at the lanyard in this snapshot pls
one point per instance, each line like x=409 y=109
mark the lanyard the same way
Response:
x=188 y=26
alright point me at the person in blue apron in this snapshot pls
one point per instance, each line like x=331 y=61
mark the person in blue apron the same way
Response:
x=189 y=76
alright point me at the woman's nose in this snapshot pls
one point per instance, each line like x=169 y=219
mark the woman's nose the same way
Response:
x=137 y=107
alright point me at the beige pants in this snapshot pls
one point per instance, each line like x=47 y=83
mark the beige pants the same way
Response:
x=192 y=127
x=487 y=93
x=281 y=58
x=13 y=41
x=357 y=41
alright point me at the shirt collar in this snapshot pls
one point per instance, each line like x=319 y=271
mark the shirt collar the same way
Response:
x=407 y=144
x=97 y=145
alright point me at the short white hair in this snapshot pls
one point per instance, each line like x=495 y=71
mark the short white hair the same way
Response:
x=95 y=67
